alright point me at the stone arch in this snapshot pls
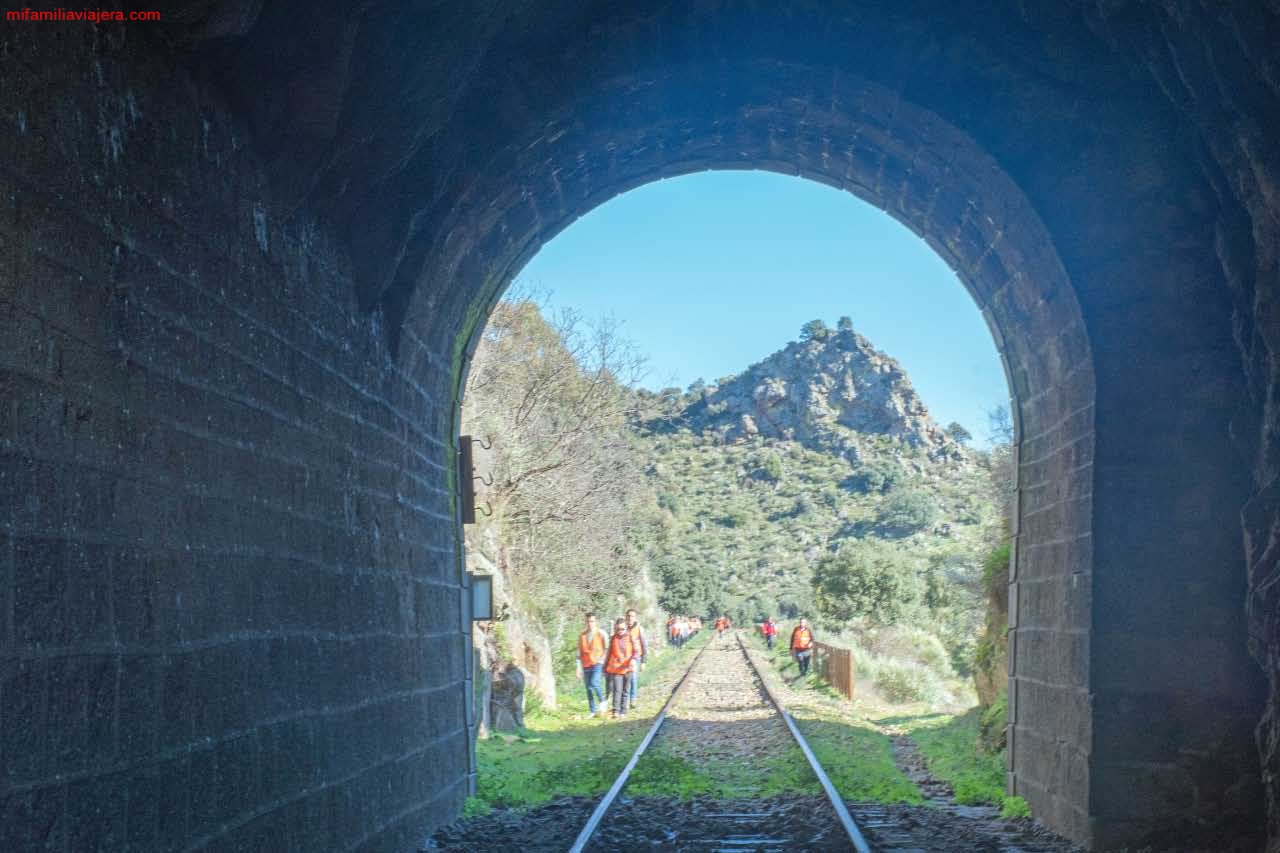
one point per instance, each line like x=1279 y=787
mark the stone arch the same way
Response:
x=374 y=160
x=862 y=138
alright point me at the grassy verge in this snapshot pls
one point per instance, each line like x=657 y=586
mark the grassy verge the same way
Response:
x=839 y=732
x=565 y=753
x=950 y=745
x=856 y=755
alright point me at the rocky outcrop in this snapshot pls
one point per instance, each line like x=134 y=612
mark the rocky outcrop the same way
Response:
x=515 y=640
x=833 y=392
x=506 y=698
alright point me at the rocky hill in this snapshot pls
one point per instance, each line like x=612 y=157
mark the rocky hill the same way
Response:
x=822 y=446
x=831 y=392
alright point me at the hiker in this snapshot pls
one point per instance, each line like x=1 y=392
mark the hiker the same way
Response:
x=618 y=665
x=802 y=646
x=592 y=644
x=770 y=631
x=641 y=645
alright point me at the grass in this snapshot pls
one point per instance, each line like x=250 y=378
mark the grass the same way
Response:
x=561 y=753
x=950 y=745
x=661 y=774
x=858 y=758
x=565 y=753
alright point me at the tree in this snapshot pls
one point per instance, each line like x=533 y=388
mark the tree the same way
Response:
x=814 y=330
x=555 y=393
x=844 y=324
x=906 y=511
x=877 y=475
x=770 y=469
x=1000 y=459
x=999 y=424
x=867 y=579
x=959 y=433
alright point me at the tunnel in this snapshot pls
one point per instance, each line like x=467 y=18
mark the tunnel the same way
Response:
x=247 y=251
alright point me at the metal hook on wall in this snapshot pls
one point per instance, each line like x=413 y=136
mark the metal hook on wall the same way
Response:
x=487 y=479
x=487 y=511
x=487 y=443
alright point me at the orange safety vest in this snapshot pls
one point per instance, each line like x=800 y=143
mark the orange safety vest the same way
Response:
x=637 y=639
x=801 y=640
x=591 y=649
x=621 y=652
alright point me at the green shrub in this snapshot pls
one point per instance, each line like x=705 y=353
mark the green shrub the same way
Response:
x=995 y=568
x=875 y=476
x=907 y=511
x=902 y=681
x=867 y=579
x=992 y=723
x=770 y=469
x=1015 y=807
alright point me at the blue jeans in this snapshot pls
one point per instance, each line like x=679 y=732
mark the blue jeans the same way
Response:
x=593 y=678
x=634 y=680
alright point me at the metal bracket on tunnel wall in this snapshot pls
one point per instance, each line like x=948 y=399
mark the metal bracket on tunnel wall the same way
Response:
x=467 y=477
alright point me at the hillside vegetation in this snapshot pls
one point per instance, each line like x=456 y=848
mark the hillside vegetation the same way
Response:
x=813 y=483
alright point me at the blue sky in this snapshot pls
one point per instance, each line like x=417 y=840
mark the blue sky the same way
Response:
x=712 y=272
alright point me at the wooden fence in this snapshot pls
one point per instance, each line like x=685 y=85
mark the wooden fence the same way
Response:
x=836 y=666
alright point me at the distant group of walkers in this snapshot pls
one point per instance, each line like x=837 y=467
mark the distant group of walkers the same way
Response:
x=802 y=641
x=611 y=663
x=681 y=628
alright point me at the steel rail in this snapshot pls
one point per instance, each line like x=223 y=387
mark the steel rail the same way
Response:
x=607 y=801
x=846 y=821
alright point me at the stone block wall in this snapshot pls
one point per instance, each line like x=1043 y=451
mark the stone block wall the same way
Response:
x=230 y=603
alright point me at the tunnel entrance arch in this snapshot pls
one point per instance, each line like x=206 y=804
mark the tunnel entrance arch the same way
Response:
x=930 y=177
x=1078 y=702
x=240 y=297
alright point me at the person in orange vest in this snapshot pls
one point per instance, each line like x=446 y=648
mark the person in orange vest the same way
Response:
x=592 y=644
x=770 y=631
x=619 y=664
x=802 y=646
x=641 y=644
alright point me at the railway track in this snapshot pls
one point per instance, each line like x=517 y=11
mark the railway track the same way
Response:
x=722 y=707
